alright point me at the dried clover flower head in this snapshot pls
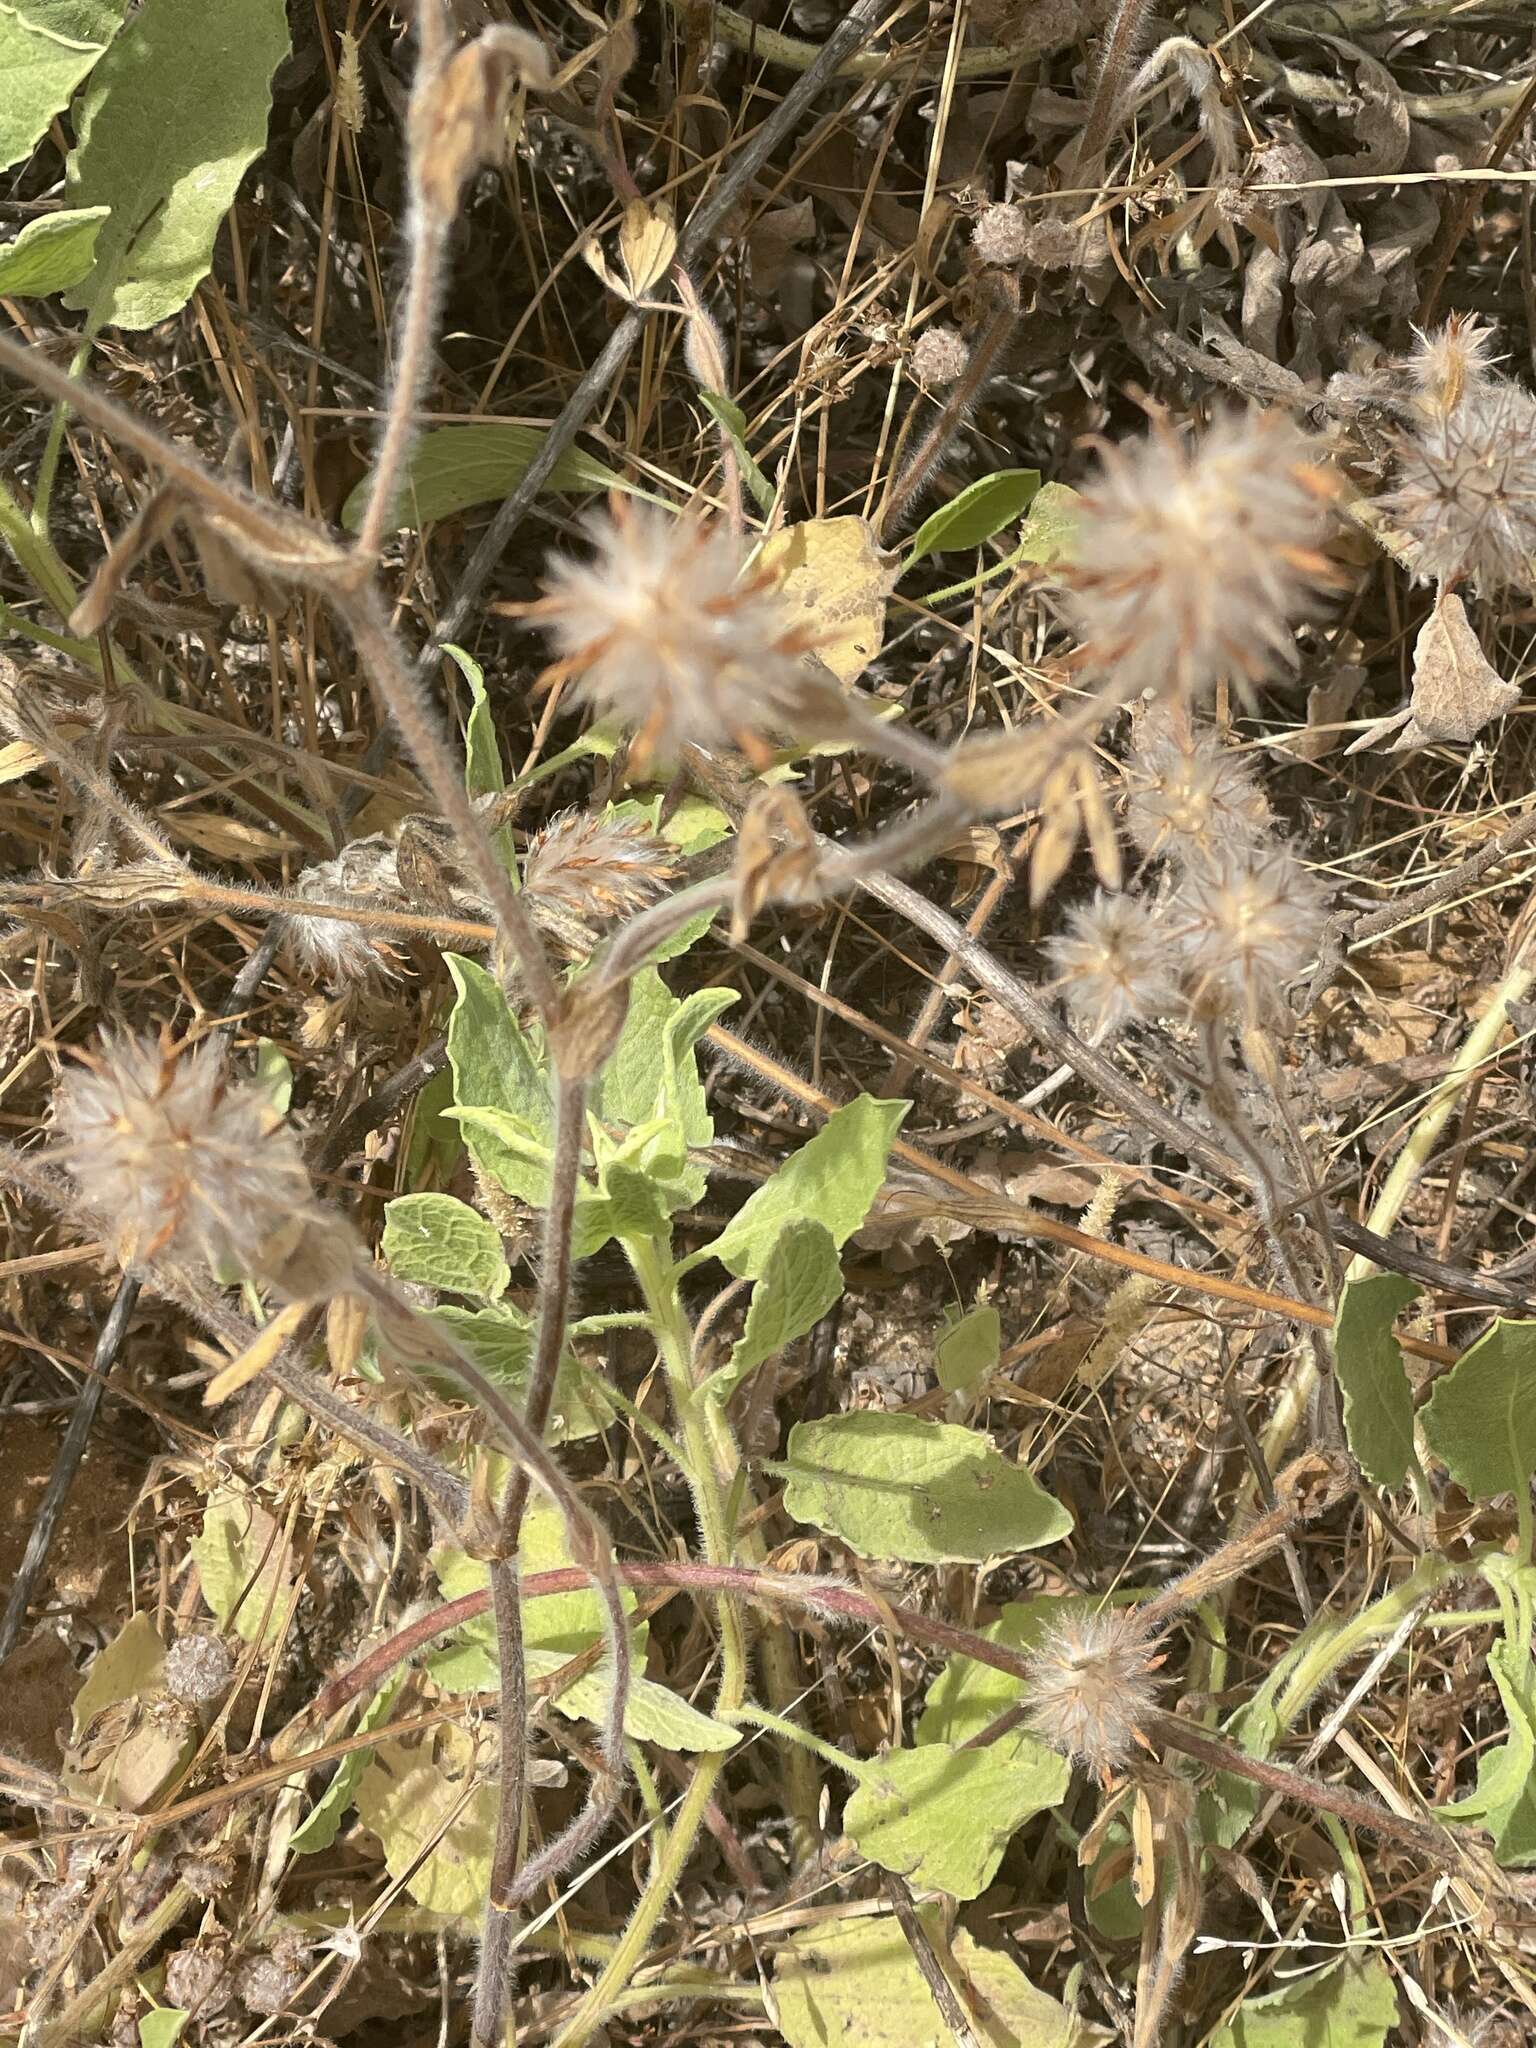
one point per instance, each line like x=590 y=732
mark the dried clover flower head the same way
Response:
x=582 y=872
x=199 y=1979
x=1000 y=237
x=1464 y=490
x=939 y=357
x=661 y=630
x=365 y=876
x=1245 y=924
x=1448 y=362
x=1196 y=557
x=1114 y=965
x=1091 y=1688
x=198 y=1669
x=268 y=1984
x=182 y=1162
x=1190 y=796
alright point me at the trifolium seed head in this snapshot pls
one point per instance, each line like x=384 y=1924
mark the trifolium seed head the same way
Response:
x=583 y=872
x=267 y=1985
x=198 y=1669
x=1091 y=1688
x=1244 y=924
x=1113 y=965
x=363 y=876
x=939 y=357
x=1000 y=238
x=180 y=1161
x=1447 y=363
x=664 y=629
x=199 y=1980
x=1190 y=797
x=1196 y=557
x=1463 y=494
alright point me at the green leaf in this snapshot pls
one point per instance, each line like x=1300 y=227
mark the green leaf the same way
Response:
x=433 y=1143
x=46 y=48
x=131 y=1666
x=51 y=253
x=968 y=1696
x=556 y=1630
x=433 y=1808
x=1378 y=1400
x=162 y=2027
x=974 y=514
x=174 y=114
x=499 y=1070
x=1481 y=1419
x=1350 y=2005
x=437 y=1241
x=500 y=1342
x=274 y=1072
x=832 y=1179
x=321 y=1825
x=480 y=463
x=970 y=1348
x=856 y=1983
x=132 y=1755
x=1049 y=534
x=942 y=1817
x=930 y=1492
x=803 y=1277
x=483 y=772
x=730 y=418
x=240 y=1552
x=1504 y=1800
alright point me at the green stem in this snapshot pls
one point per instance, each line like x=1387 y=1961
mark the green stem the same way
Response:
x=1318 y=1664
x=48 y=468
x=657 y=1277
x=36 y=556
x=801 y=1738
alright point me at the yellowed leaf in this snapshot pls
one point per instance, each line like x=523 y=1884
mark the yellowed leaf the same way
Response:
x=435 y=1820
x=647 y=244
x=256 y=1356
x=835 y=582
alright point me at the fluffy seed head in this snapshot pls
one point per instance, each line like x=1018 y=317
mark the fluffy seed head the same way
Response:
x=344 y=955
x=661 y=631
x=1464 y=490
x=1245 y=924
x=1450 y=361
x=582 y=872
x=1113 y=964
x=199 y=1980
x=1197 y=557
x=268 y=1984
x=939 y=357
x=182 y=1162
x=198 y=1669
x=1000 y=237
x=1190 y=797
x=1091 y=1688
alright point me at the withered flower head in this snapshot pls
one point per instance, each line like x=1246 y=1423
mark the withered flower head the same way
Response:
x=661 y=630
x=1245 y=923
x=583 y=872
x=1114 y=965
x=1464 y=490
x=1091 y=1687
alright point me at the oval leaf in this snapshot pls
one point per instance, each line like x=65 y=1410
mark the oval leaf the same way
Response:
x=50 y=254
x=980 y=510
x=1378 y=1401
x=929 y=1492
x=1481 y=1419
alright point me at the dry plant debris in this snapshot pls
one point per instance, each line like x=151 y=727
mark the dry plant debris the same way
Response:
x=767 y=977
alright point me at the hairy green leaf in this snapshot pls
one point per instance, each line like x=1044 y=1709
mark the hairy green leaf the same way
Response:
x=438 y=1241
x=1504 y=1799
x=1481 y=1419
x=832 y=1179
x=46 y=48
x=321 y=1825
x=433 y=1806
x=498 y=1069
x=966 y=1696
x=732 y=421
x=856 y=1983
x=479 y=462
x=1350 y=2005
x=162 y=2027
x=1378 y=1401
x=50 y=253
x=500 y=1341
x=930 y=1492
x=244 y=1566
x=942 y=1817
x=175 y=113
x=969 y=1348
x=974 y=514
x=801 y=1280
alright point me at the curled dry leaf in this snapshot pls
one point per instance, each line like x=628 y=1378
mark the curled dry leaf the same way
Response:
x=1456 y=689
x=777 y=859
